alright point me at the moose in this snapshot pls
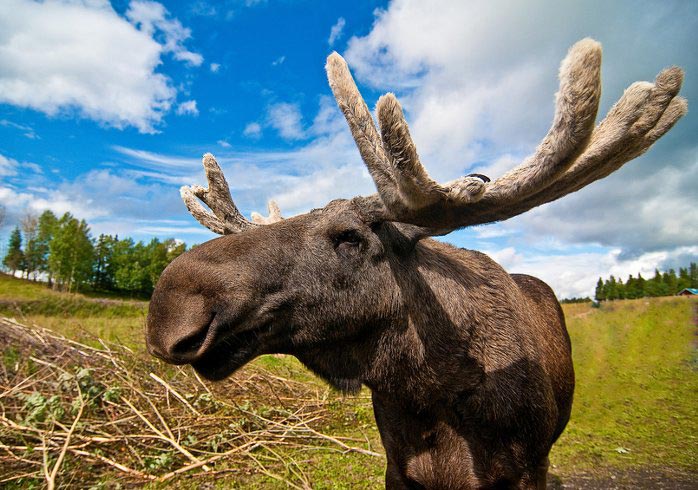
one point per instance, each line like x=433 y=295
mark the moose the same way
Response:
x=469 y=367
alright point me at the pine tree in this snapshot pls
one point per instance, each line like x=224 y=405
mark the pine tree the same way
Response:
x=14 y=260
x=599 y=293
x=641 y=286
x=670 y=282
x=631 y=288
x=654 y=286
x=684 y=279
x=611 y=288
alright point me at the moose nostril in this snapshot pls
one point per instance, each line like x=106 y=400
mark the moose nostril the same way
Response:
x=186 y=349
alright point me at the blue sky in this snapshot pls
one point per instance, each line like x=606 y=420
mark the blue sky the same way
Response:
x=106 y=109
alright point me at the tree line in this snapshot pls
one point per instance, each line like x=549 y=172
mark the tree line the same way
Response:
x=63 y=252
x=662 y=284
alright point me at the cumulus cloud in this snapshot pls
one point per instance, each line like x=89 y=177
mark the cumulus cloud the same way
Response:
x=336 y=31
x=188 y=107
x=639 y=211
x=46 y=64
x=214 y=67
x=151 y=17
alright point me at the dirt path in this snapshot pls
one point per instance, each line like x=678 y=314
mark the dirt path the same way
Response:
x=637 y=478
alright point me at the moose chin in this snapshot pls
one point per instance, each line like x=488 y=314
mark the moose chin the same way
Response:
x=469 y=367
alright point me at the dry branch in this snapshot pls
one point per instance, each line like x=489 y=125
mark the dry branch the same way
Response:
x=74 y=414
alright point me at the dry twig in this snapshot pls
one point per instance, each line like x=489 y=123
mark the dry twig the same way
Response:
x=123 y=424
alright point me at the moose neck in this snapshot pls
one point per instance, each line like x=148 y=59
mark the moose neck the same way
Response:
x=420 y=353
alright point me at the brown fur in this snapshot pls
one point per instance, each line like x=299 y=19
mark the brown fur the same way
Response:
x=470 y=367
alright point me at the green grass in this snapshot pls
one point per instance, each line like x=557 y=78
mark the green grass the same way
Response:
x=637 y=389
x=74 y=315
x=635 y=403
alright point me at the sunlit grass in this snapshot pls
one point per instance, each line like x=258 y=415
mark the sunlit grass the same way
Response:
x=637 y=389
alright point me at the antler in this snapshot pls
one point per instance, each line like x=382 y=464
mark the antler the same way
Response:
x=572 y=155
x=226 y=217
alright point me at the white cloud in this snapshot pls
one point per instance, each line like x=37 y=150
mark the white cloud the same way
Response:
x=47 y=65
x=8 y=166
x=477 y=81
x=188 y=107
x=278 y=61
x=336 y=31
x=253 y=130
x=19 y=202
x=151 y=17
x=575 y=275
x=325 y=184
x=201 y=8
x=156 y=159
x=286 y=118
x=215 y=67
x=224 y=143
x=27 y=131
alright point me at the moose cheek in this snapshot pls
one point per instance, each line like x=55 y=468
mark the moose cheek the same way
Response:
x=348 y=259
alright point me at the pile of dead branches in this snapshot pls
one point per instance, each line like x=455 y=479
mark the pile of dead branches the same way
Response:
x=74 y=414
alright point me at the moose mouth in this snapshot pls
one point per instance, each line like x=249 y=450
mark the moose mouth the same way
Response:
x=229 y=354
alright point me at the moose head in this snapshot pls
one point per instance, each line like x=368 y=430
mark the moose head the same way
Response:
x=469 y=367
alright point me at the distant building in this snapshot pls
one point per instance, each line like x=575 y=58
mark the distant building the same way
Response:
x=688 y=292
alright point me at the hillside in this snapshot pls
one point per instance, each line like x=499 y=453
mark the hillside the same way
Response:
x=121 y=414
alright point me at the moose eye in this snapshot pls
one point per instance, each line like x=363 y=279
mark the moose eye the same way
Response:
x=347 y=242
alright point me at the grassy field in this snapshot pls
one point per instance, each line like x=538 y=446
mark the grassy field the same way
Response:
x=635 y=404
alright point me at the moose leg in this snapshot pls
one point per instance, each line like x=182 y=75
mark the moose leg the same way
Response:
x=394 y=480
x=543 y=474
x=535 y=479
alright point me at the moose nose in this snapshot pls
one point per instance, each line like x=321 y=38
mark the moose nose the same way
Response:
x=177 y=327
x=189 y=348
x=178 y=349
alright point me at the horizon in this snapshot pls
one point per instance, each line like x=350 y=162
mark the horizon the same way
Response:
x=109 y=130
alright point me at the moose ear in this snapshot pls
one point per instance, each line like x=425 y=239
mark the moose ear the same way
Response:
x=404 y=237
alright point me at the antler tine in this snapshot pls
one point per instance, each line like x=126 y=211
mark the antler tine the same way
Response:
x=415 y=188
x=407 y=190
x=403 y=184
x=274 y=215
x=226 y=217
x=643 y=115
x=576 y=108
x=572 y=155
x=360 y=122
x=577 y=104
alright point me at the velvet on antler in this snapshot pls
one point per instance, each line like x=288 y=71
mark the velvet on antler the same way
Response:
x=226 y=217
x=572 y=155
